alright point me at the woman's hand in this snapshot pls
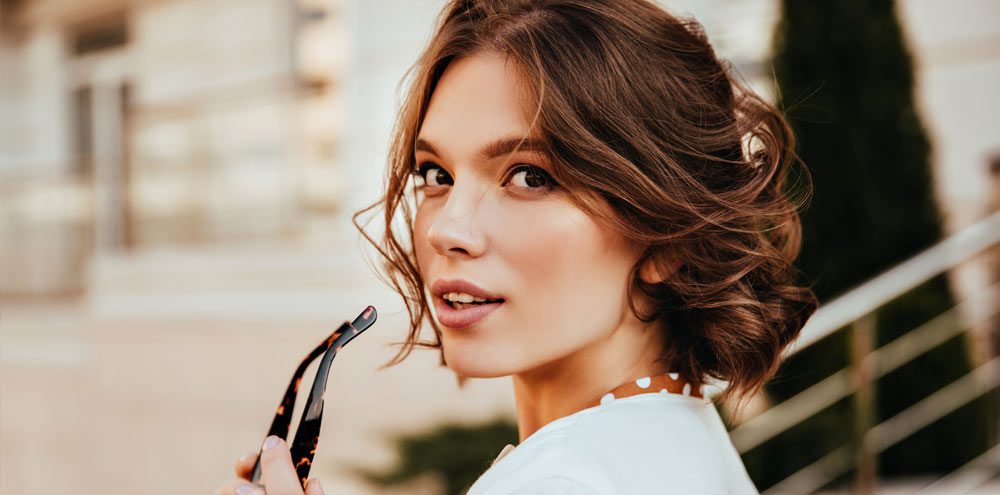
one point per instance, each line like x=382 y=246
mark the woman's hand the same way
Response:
x=277 y=470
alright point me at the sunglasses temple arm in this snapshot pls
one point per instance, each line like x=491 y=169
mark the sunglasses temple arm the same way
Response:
x=304 y=445
x=283 y=416
x=303 y=448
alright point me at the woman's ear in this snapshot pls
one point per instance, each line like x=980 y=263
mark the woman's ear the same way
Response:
x=657 y=269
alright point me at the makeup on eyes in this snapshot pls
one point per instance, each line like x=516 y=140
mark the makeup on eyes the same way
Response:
x=531 y=175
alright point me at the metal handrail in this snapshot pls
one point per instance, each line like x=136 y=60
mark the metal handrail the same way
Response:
x=857 y=307
x=823 y=394
x=896 y=281
x=968 y=477
x=893 y=430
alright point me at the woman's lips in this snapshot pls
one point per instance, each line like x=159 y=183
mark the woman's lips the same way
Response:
x=465 y=317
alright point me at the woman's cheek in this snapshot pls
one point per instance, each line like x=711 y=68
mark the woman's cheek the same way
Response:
x=420 y=243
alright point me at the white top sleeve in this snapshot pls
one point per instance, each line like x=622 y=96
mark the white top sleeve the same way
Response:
x=642 y=444
x=555 y=485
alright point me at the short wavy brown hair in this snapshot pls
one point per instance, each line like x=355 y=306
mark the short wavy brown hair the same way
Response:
x=638 y=112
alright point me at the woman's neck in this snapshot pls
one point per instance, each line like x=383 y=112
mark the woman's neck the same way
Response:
x=570 y=384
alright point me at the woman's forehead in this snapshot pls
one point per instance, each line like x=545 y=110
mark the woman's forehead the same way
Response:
x=477 y=100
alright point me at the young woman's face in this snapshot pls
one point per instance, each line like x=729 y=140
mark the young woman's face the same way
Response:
x=495 y=220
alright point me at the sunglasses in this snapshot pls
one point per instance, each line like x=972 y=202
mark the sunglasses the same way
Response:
x=303 y=447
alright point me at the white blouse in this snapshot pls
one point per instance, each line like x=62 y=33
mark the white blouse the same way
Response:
x=651 y=436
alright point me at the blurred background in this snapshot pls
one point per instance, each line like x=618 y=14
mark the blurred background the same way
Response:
x=176 y=184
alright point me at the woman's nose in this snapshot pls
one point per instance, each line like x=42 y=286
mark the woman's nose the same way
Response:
x=455 y=230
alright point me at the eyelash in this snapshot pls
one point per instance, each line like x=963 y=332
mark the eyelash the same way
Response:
x=421 y=170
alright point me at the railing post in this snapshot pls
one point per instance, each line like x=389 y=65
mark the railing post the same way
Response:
x=862 y=343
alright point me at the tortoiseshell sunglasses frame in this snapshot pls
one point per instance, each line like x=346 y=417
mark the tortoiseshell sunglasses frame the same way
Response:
x=303 y=447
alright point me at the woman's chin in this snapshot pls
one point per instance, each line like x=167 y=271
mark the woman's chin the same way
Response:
x=470 y=364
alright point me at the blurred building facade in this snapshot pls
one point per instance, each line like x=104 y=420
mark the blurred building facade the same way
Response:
x=956 y=53
x=129 y=125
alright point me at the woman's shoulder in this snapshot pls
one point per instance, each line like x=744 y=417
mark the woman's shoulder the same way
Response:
x=655 y=438
x=644 y=421
x=636 y=444
x=649 y=413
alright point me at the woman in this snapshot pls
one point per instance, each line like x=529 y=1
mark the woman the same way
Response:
x=598 y=211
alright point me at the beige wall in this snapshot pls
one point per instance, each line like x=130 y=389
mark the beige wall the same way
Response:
x=956 y=49
x=150 y=369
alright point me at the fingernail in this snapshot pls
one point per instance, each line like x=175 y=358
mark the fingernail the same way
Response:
x=271 y=441
x=247 y=456
x=315 y=482
x=244 y=489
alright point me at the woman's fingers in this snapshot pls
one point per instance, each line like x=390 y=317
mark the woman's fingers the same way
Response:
x=249 y=489
x=277 y=469
x=313 y=487
x=244 y=466
x=240 y=487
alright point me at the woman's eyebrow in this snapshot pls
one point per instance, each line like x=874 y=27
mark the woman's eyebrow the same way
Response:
x=495 y=148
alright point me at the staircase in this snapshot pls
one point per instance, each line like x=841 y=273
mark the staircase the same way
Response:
x=855 y=312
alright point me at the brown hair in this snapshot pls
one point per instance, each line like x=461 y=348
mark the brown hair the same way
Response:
x=638 y=113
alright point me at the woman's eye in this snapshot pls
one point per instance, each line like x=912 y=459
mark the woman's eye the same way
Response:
x=433 y=175
x=531 y=177
x=528 y=177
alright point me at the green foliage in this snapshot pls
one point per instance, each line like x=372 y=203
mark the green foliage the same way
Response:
x=846 y=85
x=455 y=454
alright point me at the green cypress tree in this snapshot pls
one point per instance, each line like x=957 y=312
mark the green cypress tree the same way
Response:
x=846 y=84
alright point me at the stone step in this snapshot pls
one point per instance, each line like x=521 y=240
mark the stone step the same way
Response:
x=280 y=281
